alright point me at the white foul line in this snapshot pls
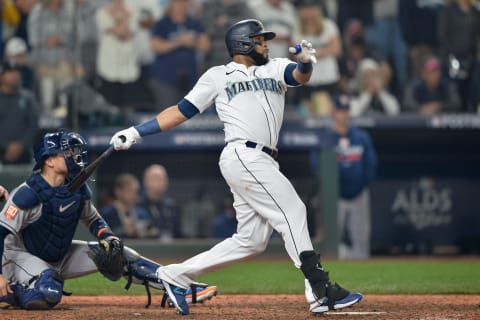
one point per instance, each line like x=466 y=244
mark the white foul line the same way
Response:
x=353 y=313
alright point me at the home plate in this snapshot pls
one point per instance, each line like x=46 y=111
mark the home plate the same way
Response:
x=353 y=313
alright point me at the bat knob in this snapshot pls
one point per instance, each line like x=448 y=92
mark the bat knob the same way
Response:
x=123 y=138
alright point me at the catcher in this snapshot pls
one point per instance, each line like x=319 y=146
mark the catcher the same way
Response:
x=37 y=225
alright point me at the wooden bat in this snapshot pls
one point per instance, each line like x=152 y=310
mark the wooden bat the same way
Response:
x=82 y=177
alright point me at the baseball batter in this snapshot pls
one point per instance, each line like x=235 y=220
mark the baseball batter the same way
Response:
x=37 y=225
x=249 y=94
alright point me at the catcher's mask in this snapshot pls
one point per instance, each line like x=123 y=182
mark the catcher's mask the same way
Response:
x=72 y=145
x=239 y=36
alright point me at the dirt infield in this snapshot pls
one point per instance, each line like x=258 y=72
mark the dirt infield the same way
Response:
x=259 y=307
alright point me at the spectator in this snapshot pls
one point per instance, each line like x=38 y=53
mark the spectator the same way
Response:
x=432 y=92
x=348 y=10
x=18 y=117
x=384 y=36
x=9 y=20
x=357 y=163
x=325 y=38
x=179 y=41
x=459 y=34
x=149 y=12
x=163 y=211
x=372 y=97
x=280 y=17
x=225 y=224
x=16 y=51
x=86 y=34
x=50 y=35
x=354 y=51
x=24 y=8
x=217 y=15
x=418 y=23
x=117 y=64
x=123 y=215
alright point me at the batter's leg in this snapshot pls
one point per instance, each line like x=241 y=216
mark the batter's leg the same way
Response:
x=251 y=238
x=257 y=178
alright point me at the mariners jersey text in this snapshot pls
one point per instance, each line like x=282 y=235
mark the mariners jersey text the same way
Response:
x=266 y=84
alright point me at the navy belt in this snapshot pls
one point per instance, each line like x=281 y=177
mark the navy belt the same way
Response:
x=271 y=152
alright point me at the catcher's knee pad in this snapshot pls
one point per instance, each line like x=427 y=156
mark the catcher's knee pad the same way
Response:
x=141 y=270
x=45 y=294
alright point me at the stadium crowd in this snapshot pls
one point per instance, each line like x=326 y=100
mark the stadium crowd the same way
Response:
x=107 y=56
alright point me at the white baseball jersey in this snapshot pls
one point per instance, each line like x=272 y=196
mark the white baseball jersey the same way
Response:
x=249 y=101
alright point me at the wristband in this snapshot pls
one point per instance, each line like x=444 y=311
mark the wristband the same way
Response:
x=303 y=67
x=148 y=127
x=104 y=233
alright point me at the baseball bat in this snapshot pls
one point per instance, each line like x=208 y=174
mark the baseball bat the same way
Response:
x=82 y=177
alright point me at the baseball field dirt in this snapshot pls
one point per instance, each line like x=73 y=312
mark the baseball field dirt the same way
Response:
x=259 y=307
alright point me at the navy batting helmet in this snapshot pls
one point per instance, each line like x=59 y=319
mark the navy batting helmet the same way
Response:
x=239 y=36
x=60 y=142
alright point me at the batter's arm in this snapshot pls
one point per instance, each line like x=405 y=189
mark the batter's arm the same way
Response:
x=165 y=120
x=302 y=77
x=170 y=118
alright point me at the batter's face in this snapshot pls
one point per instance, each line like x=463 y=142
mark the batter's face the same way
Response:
x=259 y=55
x=261 y=46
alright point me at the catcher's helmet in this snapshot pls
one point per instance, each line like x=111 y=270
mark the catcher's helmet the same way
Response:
x=59 y=142
x=239 y=36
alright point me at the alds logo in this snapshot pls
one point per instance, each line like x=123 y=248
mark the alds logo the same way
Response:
x=11 y=212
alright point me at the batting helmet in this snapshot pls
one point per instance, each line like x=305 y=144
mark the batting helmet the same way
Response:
x=239 y=36
x=59 y=142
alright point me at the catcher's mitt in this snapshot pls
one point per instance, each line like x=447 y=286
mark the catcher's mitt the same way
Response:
x=108 y=257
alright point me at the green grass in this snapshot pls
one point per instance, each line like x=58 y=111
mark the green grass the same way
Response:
x=409 y=276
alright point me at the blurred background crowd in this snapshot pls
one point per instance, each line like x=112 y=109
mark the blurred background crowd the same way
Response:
x=93 y=64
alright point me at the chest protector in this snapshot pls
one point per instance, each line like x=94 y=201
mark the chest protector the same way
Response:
x=50 y=237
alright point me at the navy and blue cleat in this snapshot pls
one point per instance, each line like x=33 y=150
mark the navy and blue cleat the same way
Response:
x=343 y=299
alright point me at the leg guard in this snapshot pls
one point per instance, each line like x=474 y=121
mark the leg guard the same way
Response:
x=314 y=273
x=45 y=294
x=141 y=270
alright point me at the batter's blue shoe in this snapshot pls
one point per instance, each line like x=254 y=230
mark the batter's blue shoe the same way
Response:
x=177 y=296
x=345 y=299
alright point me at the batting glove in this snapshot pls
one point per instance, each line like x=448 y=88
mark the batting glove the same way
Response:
x=124 y=139
x=304 y=52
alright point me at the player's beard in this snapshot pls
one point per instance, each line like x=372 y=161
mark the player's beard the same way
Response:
x=258 y=58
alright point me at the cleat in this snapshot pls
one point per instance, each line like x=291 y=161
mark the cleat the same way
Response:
x=344 y=299
x=177 y=297
x=203 y=294
x=348 y=301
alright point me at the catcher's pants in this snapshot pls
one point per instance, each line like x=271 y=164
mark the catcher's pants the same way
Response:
x=264 y=200
x=20 y=266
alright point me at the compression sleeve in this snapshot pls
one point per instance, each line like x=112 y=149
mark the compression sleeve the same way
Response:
x=3 y=233
x=288 y=75
x=187 y=108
